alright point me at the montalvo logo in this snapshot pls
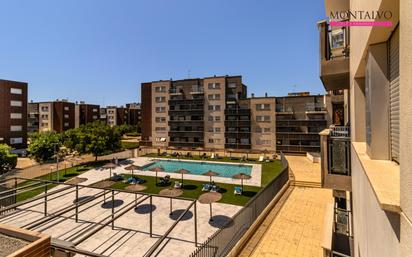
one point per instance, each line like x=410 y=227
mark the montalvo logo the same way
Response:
x=350 y=18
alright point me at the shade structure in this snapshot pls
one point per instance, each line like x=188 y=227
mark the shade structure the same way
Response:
x=209 y=198
x=132 y=167
x=135 y=188
x=210 y=174
x=241 y=176
x=171 y=192
x=183 y=171
x=157 y=169
x=110 y=166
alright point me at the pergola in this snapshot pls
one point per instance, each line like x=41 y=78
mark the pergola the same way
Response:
x=8 y=207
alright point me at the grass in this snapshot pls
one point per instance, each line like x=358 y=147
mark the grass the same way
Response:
x=270 y=170
x=129 y=145
x=63 y=176
x=193 y=189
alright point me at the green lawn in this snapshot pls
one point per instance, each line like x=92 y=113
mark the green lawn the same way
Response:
x=193 y=189
x=63 y=176
x=270 y=170
x=129 y=145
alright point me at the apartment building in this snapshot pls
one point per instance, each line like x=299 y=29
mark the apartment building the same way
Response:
x=33 y=117
x=207 y=113
x=300 y=117
x=369 y=163
x=56 y=116
x=134 y=116
x=13 y=114
x=86 y=113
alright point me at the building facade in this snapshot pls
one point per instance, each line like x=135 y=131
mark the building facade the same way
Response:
x=13 y=114
x=215 y=113
x=86 y=113
x=300 y=117
x=367 y=163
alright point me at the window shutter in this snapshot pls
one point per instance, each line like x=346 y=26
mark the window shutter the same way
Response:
x=394 y=94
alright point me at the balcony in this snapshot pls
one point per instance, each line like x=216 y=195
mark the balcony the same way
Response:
x=297 y=148
x=237 y=123
x=175 y=133
x=240 y=111
x=237 y=134
x=334 y=56
x=335 y=155
x=186 y=144
x=237 y=146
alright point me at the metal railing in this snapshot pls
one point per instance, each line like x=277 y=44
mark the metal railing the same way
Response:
x=223 y=240
x=339 y=151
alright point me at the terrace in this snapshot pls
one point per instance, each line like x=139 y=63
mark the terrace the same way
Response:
x=86 y=217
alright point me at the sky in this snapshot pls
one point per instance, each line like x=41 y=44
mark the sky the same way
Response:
x=99 y=51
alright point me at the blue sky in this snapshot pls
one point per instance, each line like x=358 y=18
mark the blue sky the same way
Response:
x=100 y=51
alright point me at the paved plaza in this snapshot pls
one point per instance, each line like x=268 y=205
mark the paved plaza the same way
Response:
x=131 y=234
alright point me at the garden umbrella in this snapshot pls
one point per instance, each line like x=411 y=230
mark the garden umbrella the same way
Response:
x=132 y=167
x=110 y=166
x=157 y=169
x=182 y=171
x=241 y=176
x=209 y=198
x=210 y=174
x=171 y=193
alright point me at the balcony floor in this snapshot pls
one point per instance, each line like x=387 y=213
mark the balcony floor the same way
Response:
x=297 y=228
x=304 y=170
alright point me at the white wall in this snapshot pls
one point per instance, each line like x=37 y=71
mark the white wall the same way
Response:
x=375 y=231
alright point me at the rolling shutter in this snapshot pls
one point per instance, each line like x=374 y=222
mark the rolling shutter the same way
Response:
x=394 y=94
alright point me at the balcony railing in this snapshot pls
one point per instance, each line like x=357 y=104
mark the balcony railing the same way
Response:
x=240 y=111
x=336 y=156
x=237 y=146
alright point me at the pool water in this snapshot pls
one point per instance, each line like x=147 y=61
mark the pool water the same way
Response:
x=198 y=168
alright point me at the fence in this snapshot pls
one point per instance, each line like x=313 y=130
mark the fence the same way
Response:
x=7 y=196
x=223 y=240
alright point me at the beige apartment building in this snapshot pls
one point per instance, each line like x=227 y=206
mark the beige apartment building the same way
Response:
x=368 y=162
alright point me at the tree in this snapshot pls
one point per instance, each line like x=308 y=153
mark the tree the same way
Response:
x=44 y=145
x=96 y=138
x=8 y=161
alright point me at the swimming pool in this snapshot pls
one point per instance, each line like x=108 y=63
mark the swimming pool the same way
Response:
x=198 y=168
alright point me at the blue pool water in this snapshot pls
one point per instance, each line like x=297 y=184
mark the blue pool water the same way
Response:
x=198 y=168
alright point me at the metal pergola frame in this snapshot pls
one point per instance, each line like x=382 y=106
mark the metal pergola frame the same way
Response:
x=106 y=221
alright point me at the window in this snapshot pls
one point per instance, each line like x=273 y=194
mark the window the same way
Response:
x=16 y=103
x=262 y=118
x=66 y=124
x=94 y=110
x=160 y=139
x=213 y=97
x=44 y=108
x=95 y=117
x=216 y=141
x=263 y=142
x=259 y=130
x=16 y=91
x=244 y=141
x=231 y=85
x=160 y=99
x=15 y=115
x=213 y=85
x=266 y=130
x=160 y=89
x=210 y=118
x=66 y=108
x=16 y=140
x=66 y=116
x=160 y=129
x=160 y=109
x=214 y=107
x=217 y=118
x=214 y=130
x=231 y=140
x=16 y=128
x=337 y=38
x=261 y=107
x=160 y=119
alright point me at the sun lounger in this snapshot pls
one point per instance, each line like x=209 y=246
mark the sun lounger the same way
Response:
x=178 y=185
x=213 y=156
x=261 y=158
x=238 y=191
x=215 y=188
x=206 y=187
x=165 y=180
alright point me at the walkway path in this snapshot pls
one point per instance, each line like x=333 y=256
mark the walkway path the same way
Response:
x=43 y=169
x=294 y=227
